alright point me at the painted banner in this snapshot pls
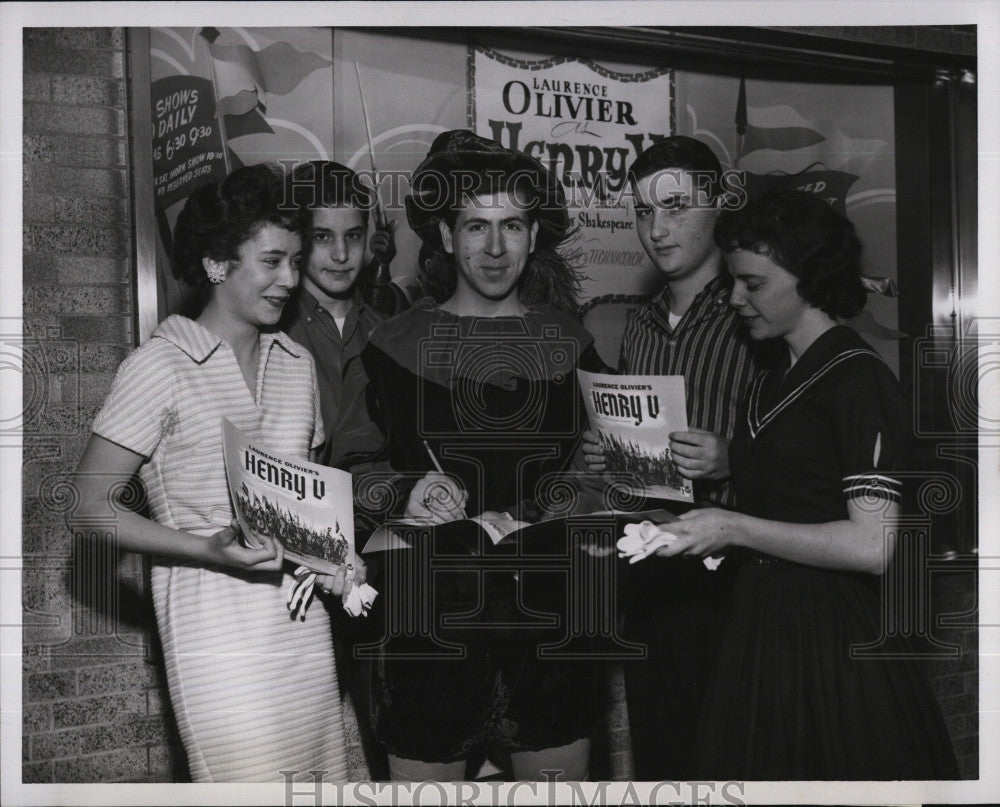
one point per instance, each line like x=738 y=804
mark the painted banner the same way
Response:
x=778 y=138
x=586 y=123
x=221 y=98
x=833 y=140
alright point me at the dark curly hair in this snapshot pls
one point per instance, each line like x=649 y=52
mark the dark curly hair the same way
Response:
x=805 y=236
x=441 y=282
x=550 y=277
x=219 y=217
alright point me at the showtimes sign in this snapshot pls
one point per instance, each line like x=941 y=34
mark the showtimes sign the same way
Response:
x=187 y=144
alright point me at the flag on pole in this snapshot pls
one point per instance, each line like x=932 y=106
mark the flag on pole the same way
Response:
x=250 y=123
x=243 y=76
x=780 y=128
x=828 y=184
x=741 y=119
x=741 y=108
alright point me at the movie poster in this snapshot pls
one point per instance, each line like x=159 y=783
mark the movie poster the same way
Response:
x=633 y=416
x=225 y=97
x=586 y=123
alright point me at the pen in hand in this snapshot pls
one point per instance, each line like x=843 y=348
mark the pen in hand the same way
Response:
x=440 y=470
x=434 y=460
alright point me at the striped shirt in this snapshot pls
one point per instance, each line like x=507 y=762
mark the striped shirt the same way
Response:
x=711 y=349
x=168 y=401
x=244 y=678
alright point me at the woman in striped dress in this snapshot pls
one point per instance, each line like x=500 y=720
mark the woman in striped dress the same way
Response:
x=254 y=691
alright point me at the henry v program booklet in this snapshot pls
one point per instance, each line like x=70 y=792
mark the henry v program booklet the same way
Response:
x=633 y=416
x=307 y=507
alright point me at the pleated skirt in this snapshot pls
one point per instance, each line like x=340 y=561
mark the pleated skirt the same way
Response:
x=791 y=697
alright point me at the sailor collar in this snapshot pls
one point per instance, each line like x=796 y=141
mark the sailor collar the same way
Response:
x=834 y=347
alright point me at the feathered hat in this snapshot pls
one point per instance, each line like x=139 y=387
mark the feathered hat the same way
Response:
x=461 y=162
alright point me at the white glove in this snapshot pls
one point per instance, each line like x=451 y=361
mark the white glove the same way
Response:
x=642 y=540
x=359 y=600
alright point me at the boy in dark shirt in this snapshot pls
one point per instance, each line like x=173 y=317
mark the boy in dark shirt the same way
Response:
x=328 y=315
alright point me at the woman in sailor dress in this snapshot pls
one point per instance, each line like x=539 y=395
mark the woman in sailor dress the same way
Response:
x=815 y=464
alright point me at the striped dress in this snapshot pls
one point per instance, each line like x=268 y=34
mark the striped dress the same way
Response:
x=254 y=692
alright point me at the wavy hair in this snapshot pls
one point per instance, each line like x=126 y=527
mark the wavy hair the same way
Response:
x=550 y=278
x=808 y=238
x=218 y=218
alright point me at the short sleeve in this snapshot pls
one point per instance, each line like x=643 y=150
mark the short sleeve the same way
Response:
x=869 y=418
x=318 y=435
x=139 y=409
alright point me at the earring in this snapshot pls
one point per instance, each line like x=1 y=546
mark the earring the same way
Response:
x=216 y=273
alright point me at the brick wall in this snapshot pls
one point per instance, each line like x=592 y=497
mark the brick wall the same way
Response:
x=94 y=708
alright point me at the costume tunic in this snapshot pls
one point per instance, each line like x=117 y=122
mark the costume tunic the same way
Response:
x=787 y=700
x=254 y=692
x=498 y=402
